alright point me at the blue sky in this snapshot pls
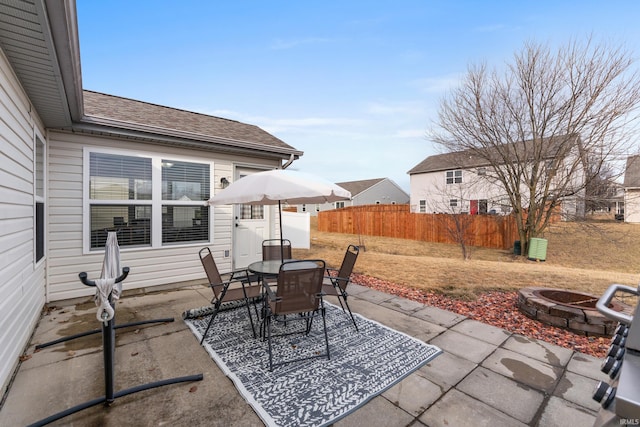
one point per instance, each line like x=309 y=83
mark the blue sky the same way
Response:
x=353 y=84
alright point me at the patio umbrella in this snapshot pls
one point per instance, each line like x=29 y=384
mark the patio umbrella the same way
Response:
x=107 y=285
x=279 y=186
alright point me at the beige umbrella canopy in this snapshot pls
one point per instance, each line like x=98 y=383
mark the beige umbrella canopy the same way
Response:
x=279 y=186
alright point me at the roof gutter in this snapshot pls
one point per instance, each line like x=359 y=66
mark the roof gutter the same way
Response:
x=149 y=133
x=63 y=25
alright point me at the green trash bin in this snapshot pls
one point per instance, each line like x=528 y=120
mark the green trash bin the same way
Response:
x=537 y=249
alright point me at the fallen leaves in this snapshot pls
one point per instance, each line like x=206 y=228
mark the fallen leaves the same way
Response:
x=497 y=309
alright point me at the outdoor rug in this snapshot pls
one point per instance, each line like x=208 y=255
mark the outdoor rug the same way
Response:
x=317 y=391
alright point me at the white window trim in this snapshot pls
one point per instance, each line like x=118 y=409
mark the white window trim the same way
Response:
x=37 y=136
x=453 y=177
x=156 y=201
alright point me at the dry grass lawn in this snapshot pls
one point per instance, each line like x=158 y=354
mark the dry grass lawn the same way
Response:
x=586 y=257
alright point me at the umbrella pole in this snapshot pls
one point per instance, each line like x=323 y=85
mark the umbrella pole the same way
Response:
x=281 y=239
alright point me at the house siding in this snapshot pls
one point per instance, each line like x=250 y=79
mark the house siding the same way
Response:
x=22 y=282
x=432 y=188
x=149 y=266
x=632 y=205
x=385 y=192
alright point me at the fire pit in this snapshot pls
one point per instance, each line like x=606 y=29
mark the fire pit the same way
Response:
x=574 y=311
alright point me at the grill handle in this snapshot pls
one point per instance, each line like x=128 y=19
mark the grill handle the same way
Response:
x=603 y=303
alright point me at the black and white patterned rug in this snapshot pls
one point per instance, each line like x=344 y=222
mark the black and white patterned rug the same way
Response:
x=317 y=391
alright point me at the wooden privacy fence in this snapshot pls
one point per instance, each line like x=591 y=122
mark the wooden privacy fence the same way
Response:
x=490 y=231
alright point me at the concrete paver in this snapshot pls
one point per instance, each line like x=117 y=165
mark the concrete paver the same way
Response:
x=524 y=369
x=539 y=350
x=459 y=409
x=439 y=316
x=464 y=346
x=571 y=387
x=414 y=394
x=482 y=331
x=497 y=391
x=558 y=412
x=485 y=377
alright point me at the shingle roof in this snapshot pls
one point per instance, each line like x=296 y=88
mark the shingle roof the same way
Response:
x=126 y=110
x=357 y=187
x=467 y=159
x=447 y=161
x=632 y=172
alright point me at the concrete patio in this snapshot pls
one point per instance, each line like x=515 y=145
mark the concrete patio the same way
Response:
x=485 y=377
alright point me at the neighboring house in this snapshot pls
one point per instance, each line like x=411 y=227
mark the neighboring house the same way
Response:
x=379 y=191
x=76 y=163
x=631 y=185
x=461 y=182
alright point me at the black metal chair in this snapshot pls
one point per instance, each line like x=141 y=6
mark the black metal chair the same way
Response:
x=242 y=290
x=335 y=283
x=299 y=293
x=276 y=249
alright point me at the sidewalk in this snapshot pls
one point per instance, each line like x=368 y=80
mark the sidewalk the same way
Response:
x=485 y=377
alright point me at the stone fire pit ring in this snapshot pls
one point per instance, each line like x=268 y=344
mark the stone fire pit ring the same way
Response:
x=571 y=310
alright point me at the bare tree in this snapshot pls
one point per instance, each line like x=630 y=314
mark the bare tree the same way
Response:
x=546 y=126
x=450 y=205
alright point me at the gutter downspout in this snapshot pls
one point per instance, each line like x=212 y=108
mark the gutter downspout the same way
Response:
x=292 y=157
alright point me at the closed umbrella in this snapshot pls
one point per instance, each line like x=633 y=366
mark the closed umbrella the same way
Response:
x=279 y=186
x=107 y=285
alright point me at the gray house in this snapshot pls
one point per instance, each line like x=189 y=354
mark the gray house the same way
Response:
x=77 y=163
x=378 y=191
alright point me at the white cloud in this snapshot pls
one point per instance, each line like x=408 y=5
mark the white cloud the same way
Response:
x=410 y=133
x=411 y=108
x=437 y=84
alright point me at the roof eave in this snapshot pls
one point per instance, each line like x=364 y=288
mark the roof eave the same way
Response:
x=103 y=126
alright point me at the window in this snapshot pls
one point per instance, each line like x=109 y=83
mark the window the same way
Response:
x=39 y=199
x=184 y=186
x=453 y=203
x=131 y=193
x=423 y=206
x=339 y=205
x=482 y=207
x=454 y=177
x=482 y=171
x=251 y=212
x=304 y=208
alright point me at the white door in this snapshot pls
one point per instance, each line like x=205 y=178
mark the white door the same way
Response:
x=251 y=227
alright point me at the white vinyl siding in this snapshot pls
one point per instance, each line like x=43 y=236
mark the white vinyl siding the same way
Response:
x=150 y=266
x=22 y=283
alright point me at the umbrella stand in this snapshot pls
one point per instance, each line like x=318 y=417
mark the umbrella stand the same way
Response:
x=108 y=347
x=113 y=274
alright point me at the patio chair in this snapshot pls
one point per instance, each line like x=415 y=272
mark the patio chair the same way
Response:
x=271 y=249
x=243 y=289
x=336 y=282
x=298 y=293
